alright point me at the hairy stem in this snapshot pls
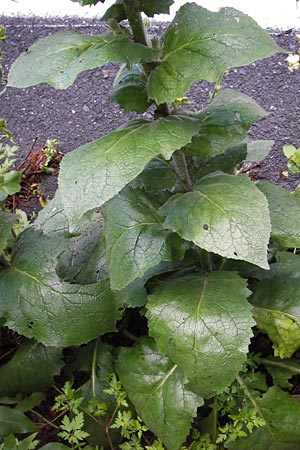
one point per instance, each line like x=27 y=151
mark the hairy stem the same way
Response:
x=205 y=260
x=136 y=21
x=182 y=172
x=140 y=35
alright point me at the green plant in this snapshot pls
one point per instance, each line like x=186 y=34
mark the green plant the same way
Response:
x=167 y=284
x=293 y=155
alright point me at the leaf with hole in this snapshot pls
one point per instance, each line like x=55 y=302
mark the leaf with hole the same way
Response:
x=224 y=214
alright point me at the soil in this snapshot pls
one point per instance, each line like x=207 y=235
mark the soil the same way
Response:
x=83 y=112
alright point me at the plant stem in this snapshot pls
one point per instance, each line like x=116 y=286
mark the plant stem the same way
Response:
x=94 y=362
x=181 y=170
x=214 y=433
x=136 y=21
x=45 y=420
x=140 y=35
x=205 y=260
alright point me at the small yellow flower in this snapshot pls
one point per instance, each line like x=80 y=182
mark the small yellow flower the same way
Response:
x=294 y=61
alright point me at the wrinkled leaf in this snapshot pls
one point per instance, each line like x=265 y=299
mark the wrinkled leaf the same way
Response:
x=32 y=368
x=224 y=214
x=285 y=214
x=211 y=43
x=277 y=313
x=14 y=421
x=109 y=163
x=203 y=324
x=225 y=122
x=156 y=387
x=7 y=221
x=135 y=238
x=281 y=432
x=47 y=309
x=59 y=58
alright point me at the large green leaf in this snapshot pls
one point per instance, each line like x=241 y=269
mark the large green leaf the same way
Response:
x=135 y=238
x=37 y=304
x=224 y=123
x=201 y=45
x=7 y=221
x=285 y=214
x=156 y=387
x=224 y=214
x=32 y=368
x=109 y=163
x=14 y=421
x=203 y=324
x=277 y=312
x=59 y=58
x=281 y=431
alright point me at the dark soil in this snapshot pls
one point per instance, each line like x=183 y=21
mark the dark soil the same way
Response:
x=83 y=112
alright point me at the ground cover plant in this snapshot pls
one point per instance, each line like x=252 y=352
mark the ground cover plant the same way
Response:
x=159 y=278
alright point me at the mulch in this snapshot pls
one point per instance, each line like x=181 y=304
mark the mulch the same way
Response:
x=83 y=112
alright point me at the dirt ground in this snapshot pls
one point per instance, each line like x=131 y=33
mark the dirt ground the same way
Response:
x=83 y=112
